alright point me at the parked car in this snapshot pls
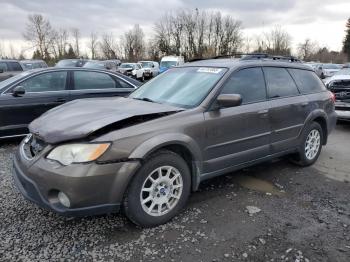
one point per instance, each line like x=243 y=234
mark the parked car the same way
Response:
x=170 y=61
x=106 y=64
x=147 y=152
x=134 y=70
x=26 y=96
x=151 y=68
x=347 y=65
x=9 y=68
x=328 y=70
x=339 y=84
x=33 y=64
x=71 y=63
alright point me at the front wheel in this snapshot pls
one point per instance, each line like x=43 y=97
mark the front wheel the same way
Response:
x=311 y=145
x=159 y=190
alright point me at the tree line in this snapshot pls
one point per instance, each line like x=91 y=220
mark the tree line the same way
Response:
x=191 y=33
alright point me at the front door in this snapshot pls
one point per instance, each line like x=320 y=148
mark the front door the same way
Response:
x=239 y=134
x=43 y=92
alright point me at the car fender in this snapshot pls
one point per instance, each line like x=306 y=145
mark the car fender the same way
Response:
x=311 y=117
x=153 y=144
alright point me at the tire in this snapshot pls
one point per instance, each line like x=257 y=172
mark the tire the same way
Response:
x=307 y=157
x=160 y=191
x=143 y=78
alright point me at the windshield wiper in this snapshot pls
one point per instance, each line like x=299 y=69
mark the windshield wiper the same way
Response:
x=144 y=99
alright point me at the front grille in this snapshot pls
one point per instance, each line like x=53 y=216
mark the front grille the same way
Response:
x=33 y=146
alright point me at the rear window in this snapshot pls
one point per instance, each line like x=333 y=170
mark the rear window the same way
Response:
x=279 y=82
x=307 y=81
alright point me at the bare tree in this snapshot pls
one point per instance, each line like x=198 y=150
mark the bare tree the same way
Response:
x=60 y=42
x=76 y=41
x=134 y=44
x=93 y=44
x=39 y=32
x=276 y=41
x=109 y=47
x=306 y=49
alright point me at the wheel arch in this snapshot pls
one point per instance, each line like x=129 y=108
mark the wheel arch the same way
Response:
x=181 y=144
x=319 y=117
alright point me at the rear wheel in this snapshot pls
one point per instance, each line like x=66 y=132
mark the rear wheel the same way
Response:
x=311 y=145
x=159 y=190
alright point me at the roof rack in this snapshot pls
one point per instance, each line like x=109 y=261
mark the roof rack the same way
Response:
x=253 y=56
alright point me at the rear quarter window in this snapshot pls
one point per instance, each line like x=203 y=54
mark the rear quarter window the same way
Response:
x=307 y=81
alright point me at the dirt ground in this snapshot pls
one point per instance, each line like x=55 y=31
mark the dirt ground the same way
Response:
x=271 y=212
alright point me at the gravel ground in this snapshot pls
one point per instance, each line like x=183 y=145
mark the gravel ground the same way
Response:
x=270 y=212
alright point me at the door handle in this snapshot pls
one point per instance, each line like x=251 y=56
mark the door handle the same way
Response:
x=263 y=113
x=60 y=100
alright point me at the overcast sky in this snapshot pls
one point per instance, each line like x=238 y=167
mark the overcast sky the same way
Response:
x=320 y=20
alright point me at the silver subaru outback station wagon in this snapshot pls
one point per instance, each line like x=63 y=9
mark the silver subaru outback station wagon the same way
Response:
x=145 y=153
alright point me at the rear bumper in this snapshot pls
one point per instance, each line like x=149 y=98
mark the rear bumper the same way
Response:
x=343 y=114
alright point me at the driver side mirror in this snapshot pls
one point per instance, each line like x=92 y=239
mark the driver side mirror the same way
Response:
x=18 y=91
x=229 y=100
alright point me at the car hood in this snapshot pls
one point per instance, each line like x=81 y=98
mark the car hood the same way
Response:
x=337 y=77
x=80 y=118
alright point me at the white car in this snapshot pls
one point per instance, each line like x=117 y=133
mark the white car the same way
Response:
x=151 y=68
x=134 y=70
x=339 y=85
x=170 y=61
x=329 y=70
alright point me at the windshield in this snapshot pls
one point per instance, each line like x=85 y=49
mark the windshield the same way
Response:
x=10 y=80
x=167 y=64
x=67 y=63
x=345 y=71
x=98 y=65
x=330 y=66
x=146 y=64
x=183 y=87
x=127 y=66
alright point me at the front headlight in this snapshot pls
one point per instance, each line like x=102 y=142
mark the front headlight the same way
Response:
x=77 y=153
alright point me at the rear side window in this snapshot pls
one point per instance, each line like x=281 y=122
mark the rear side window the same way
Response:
x=52 y=81
x=3 y=66
x=249 y=83
x=92 y=80
x=307 y=81
x=14 y=66
x=279 y=83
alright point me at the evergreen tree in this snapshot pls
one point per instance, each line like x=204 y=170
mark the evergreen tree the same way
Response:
x=37 y=55
x=346 y=43
x=70 y=53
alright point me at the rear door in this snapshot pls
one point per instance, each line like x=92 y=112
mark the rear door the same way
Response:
x=43 y=92
x=239 y=134
x=288 y=108
x=87 y=84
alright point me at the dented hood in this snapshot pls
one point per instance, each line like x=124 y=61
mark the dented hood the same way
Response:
x=80 y=118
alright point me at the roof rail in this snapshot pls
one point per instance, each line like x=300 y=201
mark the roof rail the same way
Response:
x=253 y=56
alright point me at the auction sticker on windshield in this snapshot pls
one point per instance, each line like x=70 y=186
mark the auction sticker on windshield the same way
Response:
x=209 y=70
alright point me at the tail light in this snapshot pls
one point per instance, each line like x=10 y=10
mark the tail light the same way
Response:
x=332 y=97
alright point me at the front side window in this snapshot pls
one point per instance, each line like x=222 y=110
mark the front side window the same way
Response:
x=307 y=81
x=52 y=81
x=14 y=66
x=249 y=83
x=183 y=87
x=92 y=80
x=279 y=82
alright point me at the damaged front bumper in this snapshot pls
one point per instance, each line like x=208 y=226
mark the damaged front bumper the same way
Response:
x=91 y=188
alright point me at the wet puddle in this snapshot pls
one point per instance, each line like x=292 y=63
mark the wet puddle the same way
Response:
x=258 y=185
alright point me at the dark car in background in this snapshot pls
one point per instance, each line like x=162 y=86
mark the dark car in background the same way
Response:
x=9 y=68
x=26 y=96
x=145 y=153
x=33 y=64
x=105 y=64
x=71 y=62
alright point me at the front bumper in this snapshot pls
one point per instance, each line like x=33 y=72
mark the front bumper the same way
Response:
x=92 y=188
